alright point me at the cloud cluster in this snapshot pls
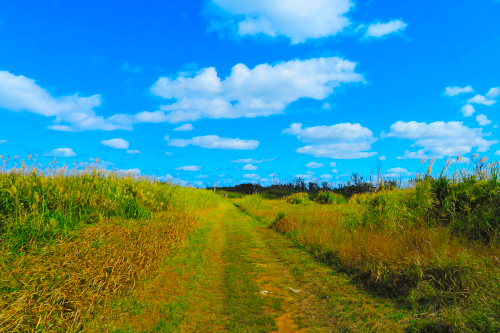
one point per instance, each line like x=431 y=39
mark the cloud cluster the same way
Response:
x=314 y=165
x=468 y=109
x=60 y=152
x=249 y=167
x=440 y=139
x=188 y=168
x=72 y=113
x=215 y=142
x=298 y=20
x=117 y=143
x=262 y=91
x=382 y=29
x=340 y=141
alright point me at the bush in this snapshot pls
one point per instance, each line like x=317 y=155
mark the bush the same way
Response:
x=325 y=197
x=298 y=198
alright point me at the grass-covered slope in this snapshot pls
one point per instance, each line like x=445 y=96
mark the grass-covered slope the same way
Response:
x=434 y=246
x=70 y=238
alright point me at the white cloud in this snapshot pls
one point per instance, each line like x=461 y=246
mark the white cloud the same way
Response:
x=335 y=171
x=298 y=20
x=333 y=164
x=189 y=168
x=397 y=172
x=480 y=99
x=168 y=153
x=325 y=176
x=340 y=141
x=263 y=91
x=468 y=110
x=223 y=175
x=184 y=128
x=440 y=139
x=273 y=175
x=202 y=176
x=133 y=151
x=215 y=142
x=453 y=91
x=325 y=134
x=382 y=158
x=314 y=165
x=251 y=176
x=326 y=106
x=482 y=120
x=116 y=143
x=493 y=93
x=306 y=175
x=497 y=153
x=71 y=113
x=61 y=152
x=382 y=29
x=251 y=160
x=249 y=167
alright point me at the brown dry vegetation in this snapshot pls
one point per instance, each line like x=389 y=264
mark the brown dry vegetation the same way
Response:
x=405 y=245
x=71 y=238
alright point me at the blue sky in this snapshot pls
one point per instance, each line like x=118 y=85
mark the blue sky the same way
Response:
x=250 y=90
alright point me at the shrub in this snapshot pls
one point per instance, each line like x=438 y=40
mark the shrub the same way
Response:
x=325 y=197
x=298 y=198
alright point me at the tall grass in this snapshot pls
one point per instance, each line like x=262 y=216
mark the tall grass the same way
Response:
x=434 y=246
x=71 y=237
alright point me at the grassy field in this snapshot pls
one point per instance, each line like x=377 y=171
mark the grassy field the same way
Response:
x=70 y=238
x=88 y=250
x=433 y=247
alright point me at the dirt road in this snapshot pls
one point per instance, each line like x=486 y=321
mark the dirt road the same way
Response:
x=234 y=274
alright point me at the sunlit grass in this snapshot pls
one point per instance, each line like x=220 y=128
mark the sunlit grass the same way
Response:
x=434 y=246
x=71 y=237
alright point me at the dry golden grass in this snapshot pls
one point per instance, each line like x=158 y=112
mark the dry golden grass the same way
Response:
x=449 y=281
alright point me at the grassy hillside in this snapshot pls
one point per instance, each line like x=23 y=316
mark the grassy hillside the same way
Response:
x=71 y=237
x=434 y=246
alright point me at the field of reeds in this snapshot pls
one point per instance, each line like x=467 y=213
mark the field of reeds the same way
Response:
x=433 y=246
x=71 y=237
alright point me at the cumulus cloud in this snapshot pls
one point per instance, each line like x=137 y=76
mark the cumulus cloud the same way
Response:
x=382 y=158
x=381 y=29
x=262 y=91
x=480 y=99
x=333 y=164
x=397 y=172
x=249 y=167
x=440 y=139
x=314 y=165
x=493 y=93
x=307 y=175
x=215 y=142
x=298 y=20
x=340 y=141
x=184 y=128
x=482 y=120
x=468 y=110
x=188 y=168
x=251 y=160
x=71 y=113
x=60 y=152
x=453 y=91
x=116 y=143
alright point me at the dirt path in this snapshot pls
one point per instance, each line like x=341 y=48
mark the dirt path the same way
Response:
x=236 y=275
